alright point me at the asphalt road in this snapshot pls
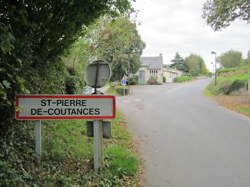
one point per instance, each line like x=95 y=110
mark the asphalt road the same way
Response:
x=186 y=139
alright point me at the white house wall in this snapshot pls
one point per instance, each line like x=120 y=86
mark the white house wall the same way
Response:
x=171 y=74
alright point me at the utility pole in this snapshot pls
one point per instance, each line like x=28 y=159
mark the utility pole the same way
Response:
x=128 y=74
x=248 y=84
x=215 y=69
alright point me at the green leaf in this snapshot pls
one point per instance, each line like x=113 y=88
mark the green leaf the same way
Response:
x=6 y=84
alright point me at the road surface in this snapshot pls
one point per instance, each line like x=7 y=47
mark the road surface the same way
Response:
x=186 y=139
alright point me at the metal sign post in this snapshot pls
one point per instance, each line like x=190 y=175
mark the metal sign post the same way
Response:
x=123 y=82
x=38 y=138
x=98 y=153
x=98 y=74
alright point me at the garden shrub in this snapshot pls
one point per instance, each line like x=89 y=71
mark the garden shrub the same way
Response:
x=164 y=79
x=121 y=89
x=72 y=84
x=152 y=81
x=114 y=84
x=133 y=80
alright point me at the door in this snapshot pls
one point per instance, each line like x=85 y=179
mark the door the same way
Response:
x=142 y=77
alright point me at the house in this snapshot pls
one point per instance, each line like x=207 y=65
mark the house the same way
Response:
x=154 y=67
x=171 y=73
x=151 y=67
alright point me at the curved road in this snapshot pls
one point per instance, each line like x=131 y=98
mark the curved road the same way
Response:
x=186 y=139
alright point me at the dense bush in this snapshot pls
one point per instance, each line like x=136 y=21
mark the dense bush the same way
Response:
x=164 y=79
x=225 y=70
x=33 y=37
x=209 y=74
x=114 y=84
x=192 y=74
x=121 y=90
x=73 y=82
x=133 y=80
x=183 y=78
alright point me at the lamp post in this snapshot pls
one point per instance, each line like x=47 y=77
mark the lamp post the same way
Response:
x=215 y=70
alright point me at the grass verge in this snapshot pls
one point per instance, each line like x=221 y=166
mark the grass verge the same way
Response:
x=228 y=84
x=239 y=104
x=231 y=89
x=183 y=79
x=118 y=90
x=67 y=158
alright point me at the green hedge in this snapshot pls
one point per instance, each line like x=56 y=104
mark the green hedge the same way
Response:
x=227 y=84
x=183 y=78
x=121 y=89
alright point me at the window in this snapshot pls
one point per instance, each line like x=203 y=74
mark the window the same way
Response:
x=153 y=72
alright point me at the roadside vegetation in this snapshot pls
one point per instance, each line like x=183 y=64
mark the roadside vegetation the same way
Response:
x=42 y=54
x=234 y=76
x=68 y=158
x=183 y=78
x=230 y=83
x=115 y=88
x=231 y=86
x=153 y=81
x=192 y=66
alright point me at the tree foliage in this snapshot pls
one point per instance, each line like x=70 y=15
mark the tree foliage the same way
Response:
x=196 y=64
x=33 y=37
x=34 y=34
x=178 y=63
x=118 y=43
x=231 y=59
x=220 y=13
x=76 y=60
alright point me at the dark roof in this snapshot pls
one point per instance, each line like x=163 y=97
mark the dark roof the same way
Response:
x=152 y=62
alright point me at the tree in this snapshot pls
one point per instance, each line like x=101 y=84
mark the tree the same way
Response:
x=196 y=64
x=33 y=37
x=118 y=43
x=76 y=60
x=178 y=63
x=220 y=13
x=231 y=59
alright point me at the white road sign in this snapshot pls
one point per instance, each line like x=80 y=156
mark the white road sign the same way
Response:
x=34 y=107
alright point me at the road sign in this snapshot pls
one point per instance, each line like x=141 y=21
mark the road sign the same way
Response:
x=36 y=107
x=98 y=74
x=123 y=82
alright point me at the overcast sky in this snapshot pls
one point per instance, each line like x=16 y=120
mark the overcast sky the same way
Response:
x=170 y=26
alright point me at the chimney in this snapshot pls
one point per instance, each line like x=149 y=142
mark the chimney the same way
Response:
x=161 y=58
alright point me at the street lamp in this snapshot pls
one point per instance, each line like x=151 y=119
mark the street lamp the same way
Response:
x=215 y=69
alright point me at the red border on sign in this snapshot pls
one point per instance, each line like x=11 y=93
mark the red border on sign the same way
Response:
x=66 y=117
